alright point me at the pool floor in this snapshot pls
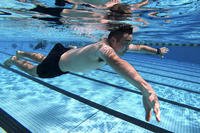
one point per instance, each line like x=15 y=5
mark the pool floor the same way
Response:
x=101 y=100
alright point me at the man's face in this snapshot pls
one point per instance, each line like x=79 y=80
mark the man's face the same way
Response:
x=123 y=43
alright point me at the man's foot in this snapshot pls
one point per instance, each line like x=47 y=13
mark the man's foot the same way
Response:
x=9 y=62
x=19 y=54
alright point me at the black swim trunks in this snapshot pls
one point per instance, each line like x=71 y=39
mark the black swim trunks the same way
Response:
x=49 y=67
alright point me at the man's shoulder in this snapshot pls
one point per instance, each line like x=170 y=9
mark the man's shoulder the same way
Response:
x=106 y=51
x=102 y=45
x=99 y=45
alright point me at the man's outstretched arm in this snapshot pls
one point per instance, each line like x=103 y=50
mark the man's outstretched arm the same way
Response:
x=122 y=67
x=143 y=48
x=141 y=4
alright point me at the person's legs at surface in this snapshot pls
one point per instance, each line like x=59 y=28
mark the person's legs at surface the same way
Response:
x=34 y=56
x=23 y=65
x=48 y=67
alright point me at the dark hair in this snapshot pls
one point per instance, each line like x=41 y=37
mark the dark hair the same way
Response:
x=120 y=30
x=121 y=8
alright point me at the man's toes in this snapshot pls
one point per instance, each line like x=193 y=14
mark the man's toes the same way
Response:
x=9 y=62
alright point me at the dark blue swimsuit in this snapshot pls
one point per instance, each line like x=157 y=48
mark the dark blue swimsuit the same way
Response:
x=49 y=67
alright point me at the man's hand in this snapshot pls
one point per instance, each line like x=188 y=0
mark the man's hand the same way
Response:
x=163 y=51
x=112 y=3
x=150 y=100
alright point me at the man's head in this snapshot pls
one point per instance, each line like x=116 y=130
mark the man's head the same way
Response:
x=119 y=39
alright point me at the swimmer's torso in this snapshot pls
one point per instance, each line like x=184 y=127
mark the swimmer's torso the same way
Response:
x=81 y=59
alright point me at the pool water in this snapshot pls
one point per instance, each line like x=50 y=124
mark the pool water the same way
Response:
x=40 y=108
x=101 y=101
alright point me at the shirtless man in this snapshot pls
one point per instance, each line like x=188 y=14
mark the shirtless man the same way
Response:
x=62 y=60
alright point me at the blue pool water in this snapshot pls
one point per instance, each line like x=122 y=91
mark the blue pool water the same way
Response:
x=41 y=109
x=101 y=101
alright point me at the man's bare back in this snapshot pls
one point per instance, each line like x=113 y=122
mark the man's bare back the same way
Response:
x=82 y=59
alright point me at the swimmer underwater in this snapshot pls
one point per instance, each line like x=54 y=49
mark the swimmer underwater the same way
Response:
x=61 y=60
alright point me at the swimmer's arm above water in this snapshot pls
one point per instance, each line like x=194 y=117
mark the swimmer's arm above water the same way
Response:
x=143 y=48
x=122 y=67
x=140 y=4
x=111 y=3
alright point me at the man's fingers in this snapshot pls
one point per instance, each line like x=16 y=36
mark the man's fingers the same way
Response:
x=157 y=111
x=148 y=115
x=164 y=50
x=152 y=102
x=156 y=107
x=158 y=115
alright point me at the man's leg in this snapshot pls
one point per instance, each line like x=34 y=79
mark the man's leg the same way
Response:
x=34 y=56
x=23 y=65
